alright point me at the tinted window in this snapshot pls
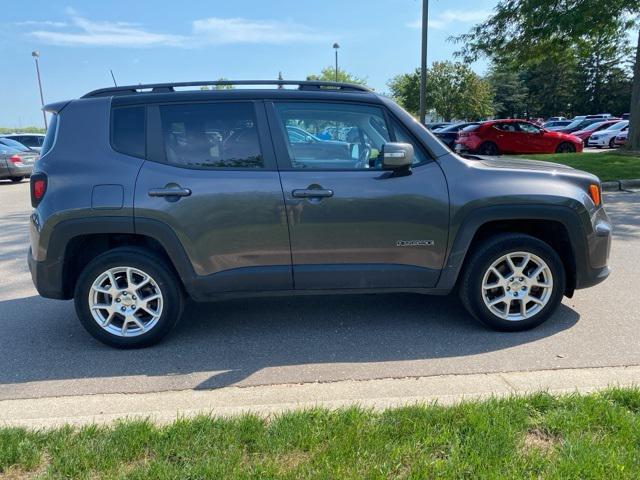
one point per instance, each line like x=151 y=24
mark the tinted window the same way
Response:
x=211 y=135
x=50 y=137
x=528 y=128
x=127 y=130
x=343 y=136
x=13 y=144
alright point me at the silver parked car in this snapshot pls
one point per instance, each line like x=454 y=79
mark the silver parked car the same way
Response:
x=16 y=160
x=31 y=140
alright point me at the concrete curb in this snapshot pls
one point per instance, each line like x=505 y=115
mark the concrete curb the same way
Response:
x=165 y=407
x=618 y=185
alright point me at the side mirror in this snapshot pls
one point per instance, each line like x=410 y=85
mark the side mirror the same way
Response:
x=397 y=156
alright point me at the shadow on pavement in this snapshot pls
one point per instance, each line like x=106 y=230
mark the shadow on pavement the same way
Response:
x=43 y=340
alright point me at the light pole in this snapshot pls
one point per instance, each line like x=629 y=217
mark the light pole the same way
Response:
x=36 y=54
x=423 y=68
x=336 y=47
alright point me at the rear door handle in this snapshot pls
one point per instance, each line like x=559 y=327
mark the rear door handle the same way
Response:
x=312 y=193
x=169 y=192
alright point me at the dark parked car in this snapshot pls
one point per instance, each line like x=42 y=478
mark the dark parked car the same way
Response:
x=449 y=134
x=552 y=124
x=576 y=125
x=438 y=125
x=514 y=136
x=144 y=196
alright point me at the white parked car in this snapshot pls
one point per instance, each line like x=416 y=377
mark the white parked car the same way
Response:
x=606 y=138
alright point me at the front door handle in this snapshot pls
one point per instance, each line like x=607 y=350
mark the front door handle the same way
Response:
x=169 y=192
x=312 y=193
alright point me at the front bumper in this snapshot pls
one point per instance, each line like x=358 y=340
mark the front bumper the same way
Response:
x=595 y=267
x=598 y=142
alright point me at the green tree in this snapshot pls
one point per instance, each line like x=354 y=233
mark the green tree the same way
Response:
x=528 y=31
x=510 y=94
x=328 y=74
x=405 y=90
x=218 y=87
x=453 y=91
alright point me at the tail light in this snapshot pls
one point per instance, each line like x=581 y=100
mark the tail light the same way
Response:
x=38 y=188
x=15 y=159
x=594 y=193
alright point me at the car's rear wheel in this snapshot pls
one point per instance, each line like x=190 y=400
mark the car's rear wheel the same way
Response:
x=489 y=148
x=566 y=147
x=16 y=179
x=513 y=282
x=128 y=298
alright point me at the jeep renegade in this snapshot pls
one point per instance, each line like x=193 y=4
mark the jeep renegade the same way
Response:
x=145 y=195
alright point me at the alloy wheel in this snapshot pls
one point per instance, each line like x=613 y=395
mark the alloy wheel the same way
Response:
x=517 y=286
x=125 y=301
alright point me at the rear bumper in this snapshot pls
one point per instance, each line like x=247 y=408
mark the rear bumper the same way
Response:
x=47 y=278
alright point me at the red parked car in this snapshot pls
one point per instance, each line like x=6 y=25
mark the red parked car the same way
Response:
x=586 y=132
x=514 y=136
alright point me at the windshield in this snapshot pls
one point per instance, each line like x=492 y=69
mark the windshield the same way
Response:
x=13 y=144
x=455 y=128
x=619 y=125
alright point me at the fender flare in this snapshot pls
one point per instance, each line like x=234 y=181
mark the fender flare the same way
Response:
x=461 y=239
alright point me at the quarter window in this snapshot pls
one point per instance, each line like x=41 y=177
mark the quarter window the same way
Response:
x=211 y=135
x=127 y=130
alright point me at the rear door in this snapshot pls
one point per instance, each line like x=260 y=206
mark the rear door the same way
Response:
x=210 y=177
x=351 y=224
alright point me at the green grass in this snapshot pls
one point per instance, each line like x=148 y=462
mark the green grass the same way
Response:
x=541 y=436
x=608 y=166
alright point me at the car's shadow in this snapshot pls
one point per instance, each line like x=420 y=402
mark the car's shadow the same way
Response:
x=229 y=341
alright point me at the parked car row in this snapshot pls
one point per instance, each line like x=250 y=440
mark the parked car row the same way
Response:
x=18 y=153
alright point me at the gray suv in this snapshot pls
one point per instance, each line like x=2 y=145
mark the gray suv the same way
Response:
x=146 y=195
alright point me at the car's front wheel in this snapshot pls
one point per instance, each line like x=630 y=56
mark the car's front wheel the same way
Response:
x=566 y=147
x=128 y=298
x=513 y=282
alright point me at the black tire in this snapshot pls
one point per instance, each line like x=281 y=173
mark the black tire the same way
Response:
x=612 y=143
x=482 y=257
x=566 y=147
x=16 y=179
x=163 y=275
x=489 y=149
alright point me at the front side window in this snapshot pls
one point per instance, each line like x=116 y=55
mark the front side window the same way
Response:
x=211 y=135
x=333 y=136
x=528 y=128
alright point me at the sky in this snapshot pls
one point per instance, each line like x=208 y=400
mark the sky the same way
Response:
x=145 y=41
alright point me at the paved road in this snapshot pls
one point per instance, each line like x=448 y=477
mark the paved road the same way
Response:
x=45 y=352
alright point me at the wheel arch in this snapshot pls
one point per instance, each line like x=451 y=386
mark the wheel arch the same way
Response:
x=74 y=243
x=559 y=226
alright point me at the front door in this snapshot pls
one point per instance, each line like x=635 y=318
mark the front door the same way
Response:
x=351 y=224
x=212 y=180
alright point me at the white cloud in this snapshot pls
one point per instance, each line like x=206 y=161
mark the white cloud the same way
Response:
x=82 y=31
x=45 y=23
x=447 y=17
x=241 y=30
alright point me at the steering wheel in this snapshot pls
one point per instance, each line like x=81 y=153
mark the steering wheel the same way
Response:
x=363 y=156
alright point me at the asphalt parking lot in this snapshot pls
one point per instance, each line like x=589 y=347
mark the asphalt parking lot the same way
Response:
x=45 y=352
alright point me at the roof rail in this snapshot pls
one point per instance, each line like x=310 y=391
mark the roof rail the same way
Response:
x=170 y=87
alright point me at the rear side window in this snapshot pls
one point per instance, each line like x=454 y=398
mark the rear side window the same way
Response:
x=127 y=130
x=211 y=135
x=50 y=137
